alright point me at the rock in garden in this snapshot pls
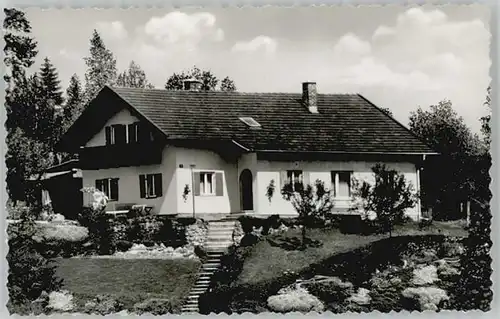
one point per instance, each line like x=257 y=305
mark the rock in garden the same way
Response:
x=361 y=297
x=60 y=301
x=425 y=275
x=427 y=297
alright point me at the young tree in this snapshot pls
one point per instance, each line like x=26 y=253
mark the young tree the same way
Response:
x=133 y=77
x=227 y=85
x=311 y=202
x=74 y=101
x=101 y=67
x=209 y=81
x=388 y=198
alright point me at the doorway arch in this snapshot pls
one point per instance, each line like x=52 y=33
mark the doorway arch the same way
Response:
x=246 y=191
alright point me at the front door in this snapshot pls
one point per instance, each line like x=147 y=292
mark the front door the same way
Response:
x=246 y=190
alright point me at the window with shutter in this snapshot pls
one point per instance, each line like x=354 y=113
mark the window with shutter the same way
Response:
x=107 y=130
x=142 y=186
x=113 y=192
x=120 y=134
x=158 y=185
x=219 y=184
x=132 y=133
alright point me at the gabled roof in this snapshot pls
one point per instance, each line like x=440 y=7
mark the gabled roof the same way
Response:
x=346 y=123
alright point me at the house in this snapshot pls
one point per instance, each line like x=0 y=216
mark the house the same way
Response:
x=207 y=154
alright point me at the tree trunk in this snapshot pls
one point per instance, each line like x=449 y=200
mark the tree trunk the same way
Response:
x=304 y=235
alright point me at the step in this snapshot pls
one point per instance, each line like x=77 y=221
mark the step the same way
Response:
x=193 y=297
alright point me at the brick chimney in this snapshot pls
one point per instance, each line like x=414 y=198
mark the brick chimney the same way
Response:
x=310 y=96
x=192 y=85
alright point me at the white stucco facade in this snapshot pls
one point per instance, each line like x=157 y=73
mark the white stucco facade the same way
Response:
x=179 y=164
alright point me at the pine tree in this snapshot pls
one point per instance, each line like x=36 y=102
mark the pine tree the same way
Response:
x=101 y=67
x=50 y=82
x=19 y=54
x=133 y=77
x=74 y=101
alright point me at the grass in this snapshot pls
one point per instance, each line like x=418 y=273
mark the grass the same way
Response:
x=268 y=262
x=128 y=280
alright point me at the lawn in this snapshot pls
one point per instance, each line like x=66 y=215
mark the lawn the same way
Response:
x=128 y=280
x=268 y=262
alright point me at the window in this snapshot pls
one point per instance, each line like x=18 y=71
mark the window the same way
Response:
x=150 y=186
x=109 y=186
x=207 y=186
x=296 y=178
x=127 y=134
x=341 y=182
x=250 y=122
x=208 y=183
x=116 y=134
x=133 y=133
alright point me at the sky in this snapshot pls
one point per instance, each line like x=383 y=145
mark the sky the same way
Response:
x=398 y=57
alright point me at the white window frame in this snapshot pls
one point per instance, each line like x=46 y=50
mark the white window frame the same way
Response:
x=292 y=178
x=336 y=184
x=146 y=186
x=204 y=183
x=136 y=129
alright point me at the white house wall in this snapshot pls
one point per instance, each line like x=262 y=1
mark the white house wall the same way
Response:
x=267 y=171
x=128 y=183
x=122 y=117
x=206 y=161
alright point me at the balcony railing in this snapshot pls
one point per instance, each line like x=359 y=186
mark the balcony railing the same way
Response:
x=111 y=156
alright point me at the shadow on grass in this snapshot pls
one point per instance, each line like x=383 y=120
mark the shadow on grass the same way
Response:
x=294 y=243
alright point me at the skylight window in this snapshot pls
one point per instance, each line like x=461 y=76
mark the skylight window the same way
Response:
x=250 y=121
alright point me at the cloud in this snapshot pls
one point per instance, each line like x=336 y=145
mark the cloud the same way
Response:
x=350 y=47
x=260 y=43
x=112 y=30
x=424 y=53
x=182 y=29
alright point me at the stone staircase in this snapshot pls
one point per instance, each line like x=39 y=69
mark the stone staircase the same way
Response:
x=219 y=238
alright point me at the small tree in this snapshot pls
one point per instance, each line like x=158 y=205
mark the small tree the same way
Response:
x=30 y=273
x=311 y=202
x=388 y=198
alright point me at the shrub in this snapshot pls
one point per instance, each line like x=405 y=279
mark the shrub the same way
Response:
x=97 y=223
x=123 y=245
x=295 y=300
x=332 y=290
x=475 y=281
x=155 y=306
x=29 y=272
x=103 y=305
